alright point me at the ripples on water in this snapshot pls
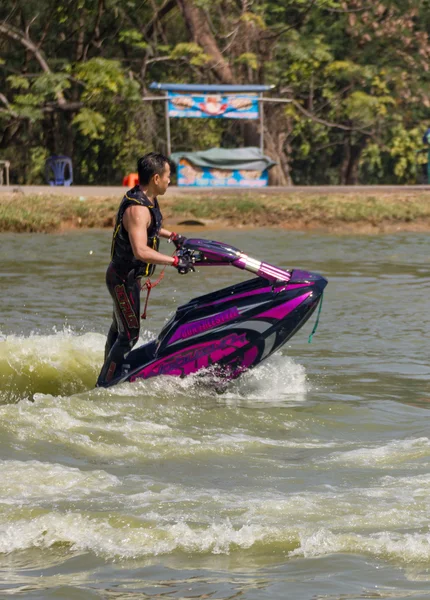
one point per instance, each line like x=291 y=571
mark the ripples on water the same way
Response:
x=310 y=472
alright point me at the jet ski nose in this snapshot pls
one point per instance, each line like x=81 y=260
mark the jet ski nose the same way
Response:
x=302 y=279
x=320 y=282
x=313 y=279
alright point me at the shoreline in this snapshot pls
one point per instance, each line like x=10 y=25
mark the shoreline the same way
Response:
x=357 y=211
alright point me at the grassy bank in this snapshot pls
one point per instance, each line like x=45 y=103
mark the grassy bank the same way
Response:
x=361 y=212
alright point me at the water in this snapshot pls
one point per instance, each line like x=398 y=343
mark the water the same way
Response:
x=307 y=478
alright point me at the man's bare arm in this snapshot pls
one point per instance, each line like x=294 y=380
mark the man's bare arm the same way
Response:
x=165 y=233
x=136 y=220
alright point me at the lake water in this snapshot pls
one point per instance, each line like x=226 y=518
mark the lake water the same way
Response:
x=308 y=478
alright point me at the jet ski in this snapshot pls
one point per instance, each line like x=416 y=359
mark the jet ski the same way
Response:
x=230 y=330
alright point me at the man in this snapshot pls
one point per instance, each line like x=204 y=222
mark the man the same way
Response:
x=134 y=254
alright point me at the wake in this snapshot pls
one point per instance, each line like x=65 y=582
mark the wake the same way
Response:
x=65 y=363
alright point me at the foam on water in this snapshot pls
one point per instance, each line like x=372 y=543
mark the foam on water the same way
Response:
x=134 y=504
x=35 y=482
x=66 y=363
x=83 y=533
x=389 y=455
x=122 y=538
x=281 y=378
x=61 y=363
x=133 y=431
x=138 y=516
x=403 y=547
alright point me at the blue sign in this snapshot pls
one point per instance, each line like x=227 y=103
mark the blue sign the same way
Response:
x=213 y=106
x=189 y=175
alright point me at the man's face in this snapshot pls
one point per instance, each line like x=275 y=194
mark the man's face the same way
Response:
x=162 y=181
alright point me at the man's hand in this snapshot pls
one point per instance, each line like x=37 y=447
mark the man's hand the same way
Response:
x=177 y=239
x=184 y=263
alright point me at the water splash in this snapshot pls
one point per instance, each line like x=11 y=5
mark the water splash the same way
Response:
x=62 y=363
x=66 y=363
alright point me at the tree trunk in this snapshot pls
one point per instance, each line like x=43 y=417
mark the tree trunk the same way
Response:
x=280 y=173
x=198 y=25
x=201 y=33
x=344 y=165
x=356 y=152
x=351 y=160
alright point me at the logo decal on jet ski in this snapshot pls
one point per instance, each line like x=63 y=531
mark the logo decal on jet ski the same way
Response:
x=126 y=307
x=196 y=327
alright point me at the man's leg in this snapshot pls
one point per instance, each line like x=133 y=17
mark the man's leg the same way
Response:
x=126 y=299
x=111 y=336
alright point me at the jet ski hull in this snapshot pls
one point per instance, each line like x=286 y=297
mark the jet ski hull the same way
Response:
x=230 y=330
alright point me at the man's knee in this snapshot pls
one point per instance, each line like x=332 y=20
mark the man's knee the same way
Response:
x=133 y=338
x=128 y=340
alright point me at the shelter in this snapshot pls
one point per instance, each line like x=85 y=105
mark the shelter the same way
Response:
x=217 y=102
x=222 y=167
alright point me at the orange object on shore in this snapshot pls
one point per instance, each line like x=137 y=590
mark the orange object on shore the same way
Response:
x=130 y=180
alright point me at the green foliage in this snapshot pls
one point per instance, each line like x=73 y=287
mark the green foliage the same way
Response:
x=133 y=38
x=38 y=156
x=50 y=84
x=203 y=4
x=249 y=59
x=371 y=160
x=346 y=70
x=101 y=78
x=26 y=106
x=404 y=147
x=253 y=19
x=300 y=57
x=361 y=77
x=90 y=123
x=190 y=51
x=366 y=108
x=17 y=82
x=198 y=134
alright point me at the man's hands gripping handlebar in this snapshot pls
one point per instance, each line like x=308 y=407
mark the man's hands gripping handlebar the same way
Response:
x=183 y=261
x=177 y=239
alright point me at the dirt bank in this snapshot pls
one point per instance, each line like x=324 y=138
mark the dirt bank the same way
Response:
x=360 y=212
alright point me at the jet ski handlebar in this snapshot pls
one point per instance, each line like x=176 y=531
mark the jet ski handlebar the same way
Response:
x=209 y=252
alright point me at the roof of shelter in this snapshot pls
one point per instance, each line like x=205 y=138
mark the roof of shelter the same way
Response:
x=198 y=87
x=248 y=159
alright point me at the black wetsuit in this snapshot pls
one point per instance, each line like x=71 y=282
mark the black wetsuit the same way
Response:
x=123 y=282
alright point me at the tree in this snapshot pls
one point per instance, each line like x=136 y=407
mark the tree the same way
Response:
x=73 y=76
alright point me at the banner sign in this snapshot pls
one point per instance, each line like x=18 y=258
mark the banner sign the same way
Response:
x=190 y=175
x=213 y=106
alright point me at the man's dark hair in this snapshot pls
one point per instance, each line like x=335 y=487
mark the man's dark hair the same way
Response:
x=149 y=165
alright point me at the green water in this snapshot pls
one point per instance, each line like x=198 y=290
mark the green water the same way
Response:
x=308 y=478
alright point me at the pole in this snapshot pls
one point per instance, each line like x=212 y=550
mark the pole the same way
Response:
x=261 y=105
x=169 y=149
x=428 y=166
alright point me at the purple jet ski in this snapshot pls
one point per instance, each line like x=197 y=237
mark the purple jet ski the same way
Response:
x=233 y=329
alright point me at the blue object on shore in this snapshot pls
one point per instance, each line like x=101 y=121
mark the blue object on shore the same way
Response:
x=223 y=167
x=59 y=170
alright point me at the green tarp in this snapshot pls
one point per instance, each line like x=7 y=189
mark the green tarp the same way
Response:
x=244 y=159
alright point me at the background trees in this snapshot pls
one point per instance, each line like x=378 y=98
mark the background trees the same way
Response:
x=73 y=74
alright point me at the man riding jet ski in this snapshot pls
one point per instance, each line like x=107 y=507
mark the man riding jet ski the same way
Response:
x=230 y=330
